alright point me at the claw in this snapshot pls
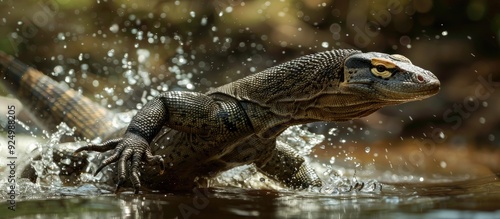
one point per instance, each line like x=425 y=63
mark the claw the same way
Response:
x=131 y=147
x=118 y=185
x=111 y=159
x=134 y=174
x=99 y=169
x=362 y=185
x=152 y=159
x=137 y=186
x=162 y=167
x=102 y=147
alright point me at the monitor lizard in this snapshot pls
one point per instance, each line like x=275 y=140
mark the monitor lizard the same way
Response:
x=180 y=137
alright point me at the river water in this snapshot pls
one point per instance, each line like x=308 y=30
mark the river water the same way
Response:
x=477 y=198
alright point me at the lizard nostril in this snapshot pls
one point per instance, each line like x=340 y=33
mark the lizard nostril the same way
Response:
x=420 y=78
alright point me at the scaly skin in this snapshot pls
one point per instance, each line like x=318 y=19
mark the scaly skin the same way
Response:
x=188 y=136
x=51 y=102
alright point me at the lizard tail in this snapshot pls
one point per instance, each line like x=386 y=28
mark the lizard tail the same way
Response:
x=50 y=102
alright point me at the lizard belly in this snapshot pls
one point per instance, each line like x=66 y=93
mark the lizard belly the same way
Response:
x=189 y=158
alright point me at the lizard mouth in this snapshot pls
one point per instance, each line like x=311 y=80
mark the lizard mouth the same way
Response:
x=413 y=92
x=406 y=92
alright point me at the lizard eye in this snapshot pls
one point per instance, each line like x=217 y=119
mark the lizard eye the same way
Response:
x=382 y=68
x=381 y=71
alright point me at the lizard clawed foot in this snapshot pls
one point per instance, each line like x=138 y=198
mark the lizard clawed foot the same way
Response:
x=102 y=147
x=131 y=147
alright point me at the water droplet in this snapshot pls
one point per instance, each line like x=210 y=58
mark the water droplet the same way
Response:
x=114 y=28
x=67 y=79
x=333 y=131
x=491 y=137
x=367 y=150
x=142 y=55
x=58 y=70
x=182 y=60
x=442 y=164
x=60 y=36
x=482 y=120
x=111 y=53
x=128 y=89
x=405 y=40
x=109 y=90
x=325 y=44
x=204 y=21
x=441 y=135
x=119 y=102
x=332 y=160
x=444 y=33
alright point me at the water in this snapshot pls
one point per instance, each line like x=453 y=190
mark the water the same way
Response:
x=469 y=199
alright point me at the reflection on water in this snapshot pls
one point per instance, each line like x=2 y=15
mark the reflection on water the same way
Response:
x=478 y=198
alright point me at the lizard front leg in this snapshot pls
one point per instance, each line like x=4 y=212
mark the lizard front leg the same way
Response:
x=184 y=111
x=287 y=166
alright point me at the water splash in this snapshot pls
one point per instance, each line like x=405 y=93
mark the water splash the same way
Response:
x=143 y=56
x=248 y=177
x=300 y=139
x=46 y=169
x=303 y=141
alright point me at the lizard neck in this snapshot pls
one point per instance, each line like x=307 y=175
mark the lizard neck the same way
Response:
x=265 y=123
x=295 y=92
x=285 y=88
x=298 y=79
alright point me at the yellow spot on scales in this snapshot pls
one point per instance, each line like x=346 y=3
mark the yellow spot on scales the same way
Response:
x=401 y=58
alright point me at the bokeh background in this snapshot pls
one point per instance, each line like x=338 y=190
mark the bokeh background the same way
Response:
x=120 y=52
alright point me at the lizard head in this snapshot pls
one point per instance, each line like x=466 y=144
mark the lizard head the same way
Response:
x=387 y=78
